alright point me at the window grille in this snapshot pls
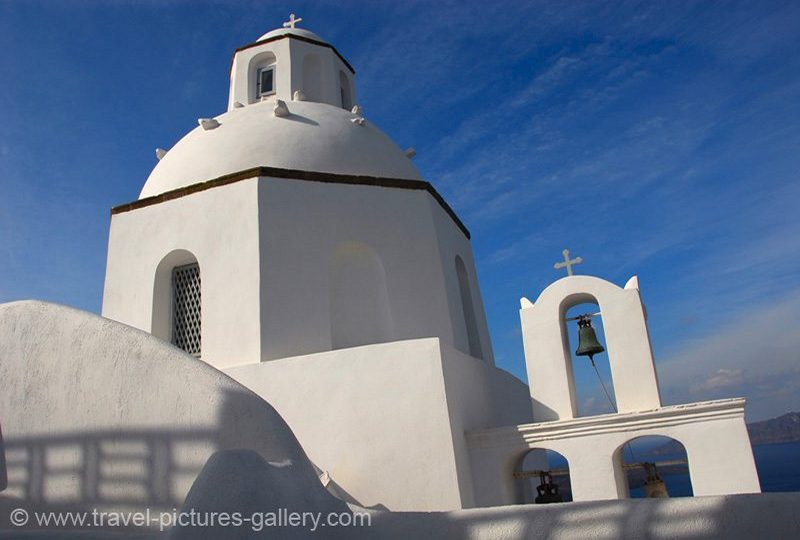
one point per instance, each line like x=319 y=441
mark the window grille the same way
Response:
x=186 y=308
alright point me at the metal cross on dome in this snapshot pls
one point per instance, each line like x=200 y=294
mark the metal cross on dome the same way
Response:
x=568 y=263
x=291 y=22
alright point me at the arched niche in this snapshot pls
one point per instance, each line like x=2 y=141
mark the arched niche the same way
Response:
x=345 y=90
x=359 y=299
x=261 y=61
x=527 y=474
x=163 y=293
x=467 y=299
x=671 y=465
x=312 y=77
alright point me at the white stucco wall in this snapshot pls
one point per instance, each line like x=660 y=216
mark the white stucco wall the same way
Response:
x=96 y=414
x=478 y=397
x=548 y=357
x=268 y=251
x=387 y=421
x=304 y=224
x=220 y=228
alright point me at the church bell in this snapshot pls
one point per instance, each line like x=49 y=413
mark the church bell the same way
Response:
x=587 y=339
x=547 y=490
x=654 y=486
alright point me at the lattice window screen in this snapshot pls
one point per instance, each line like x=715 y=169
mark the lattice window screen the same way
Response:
x=186 y=308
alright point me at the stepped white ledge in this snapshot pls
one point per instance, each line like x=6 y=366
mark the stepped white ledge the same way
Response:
x=671 y=415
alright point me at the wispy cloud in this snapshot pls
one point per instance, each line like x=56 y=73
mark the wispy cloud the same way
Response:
x=756 y=354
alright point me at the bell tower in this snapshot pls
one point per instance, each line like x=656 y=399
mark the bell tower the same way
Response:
x=713 y=433
x=549 y=360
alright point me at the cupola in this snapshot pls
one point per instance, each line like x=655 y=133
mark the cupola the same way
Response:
x=291 y=64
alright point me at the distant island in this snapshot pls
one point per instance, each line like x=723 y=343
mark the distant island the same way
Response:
x=783 y=429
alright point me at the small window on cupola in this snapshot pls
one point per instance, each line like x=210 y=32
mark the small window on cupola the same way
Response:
x=265 y=82
x=344 y=90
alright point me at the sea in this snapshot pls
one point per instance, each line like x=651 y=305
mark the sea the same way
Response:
x=778 y=470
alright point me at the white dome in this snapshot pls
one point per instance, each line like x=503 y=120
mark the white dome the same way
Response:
x=314 y=137
x=302 y=32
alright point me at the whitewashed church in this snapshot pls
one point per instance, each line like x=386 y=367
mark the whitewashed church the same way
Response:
x=288 y=253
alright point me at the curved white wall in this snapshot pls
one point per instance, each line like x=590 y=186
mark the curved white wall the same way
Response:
x=97 y=414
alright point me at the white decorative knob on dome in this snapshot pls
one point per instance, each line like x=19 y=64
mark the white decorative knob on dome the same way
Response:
x=280 y=108
x=160 y=153
x=208 y=123
x=298 y=96
x=410 y=152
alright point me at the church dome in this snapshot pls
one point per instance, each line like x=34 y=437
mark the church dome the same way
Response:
x=314 y=137
x=302 y=32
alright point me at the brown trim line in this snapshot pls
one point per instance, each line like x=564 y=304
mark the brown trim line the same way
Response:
x=301 y=38
x=294 y=174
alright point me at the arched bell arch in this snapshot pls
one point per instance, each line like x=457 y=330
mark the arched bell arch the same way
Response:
x=549 y=359
x=665 y=453
x=591 y=378
x=527 y=477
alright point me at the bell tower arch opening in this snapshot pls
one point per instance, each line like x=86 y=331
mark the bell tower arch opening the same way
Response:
x=541 y=476
x=653 y=466
x=591 y=381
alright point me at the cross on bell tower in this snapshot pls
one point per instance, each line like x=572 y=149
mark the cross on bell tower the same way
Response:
x=292 y=21
x=568 y=263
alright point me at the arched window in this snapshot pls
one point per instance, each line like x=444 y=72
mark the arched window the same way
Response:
x=262 y=74
x=177 y=302
x=312 y=77
x=653 y=466
x=468 y=309
x=360 y=312
x=344 y=89
x=537 y=465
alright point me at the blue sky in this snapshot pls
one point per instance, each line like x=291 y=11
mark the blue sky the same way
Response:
x=658 y=139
